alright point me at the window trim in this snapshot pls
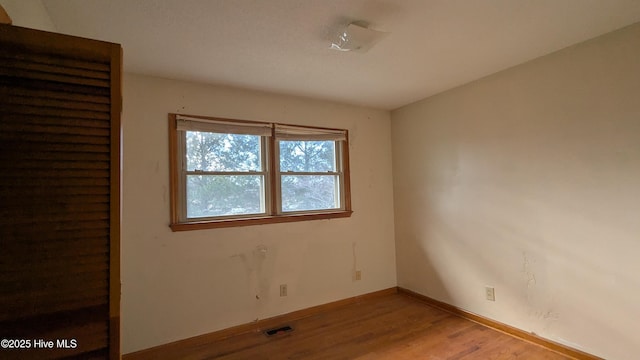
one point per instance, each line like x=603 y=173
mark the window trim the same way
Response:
x=272 y=170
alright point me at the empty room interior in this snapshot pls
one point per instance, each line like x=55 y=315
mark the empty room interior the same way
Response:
x=485 y=163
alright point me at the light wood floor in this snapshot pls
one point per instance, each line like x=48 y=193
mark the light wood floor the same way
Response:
x=390 y=327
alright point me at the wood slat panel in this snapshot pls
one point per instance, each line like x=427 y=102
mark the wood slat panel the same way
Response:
x=64 y=302
x=61 y=78
x=32 y=176
x=34 y=306
x=56 y=209
x=29 y=235
x=9 y=193
x=30 y=163
x=21 y=326
x=39 y=297
x=50 y=215
x=34 y=109
x=56 y=204
x=41 y=291
x=66 y=250
x=31 y=64
x=71 y=90
x=56 y=259
x=57 y=244
x=93 y=341
x=55 y=121
x=55 y=173
x=52 y=218
x=53 y=182
x=55 y=277
x=48 y=207
x=51 y=206
x=91 y=333
x=51 y=155
x=58 y=61
x=53 y=94
x=50 y=138
x=22 y=233
x=14 y=131
x=59 y=305
x=15 y=147
x=74 y=225
x=63 y=103
x=93 y=249
x=71 y=304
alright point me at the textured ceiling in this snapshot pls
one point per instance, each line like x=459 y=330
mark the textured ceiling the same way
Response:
x=282 y=45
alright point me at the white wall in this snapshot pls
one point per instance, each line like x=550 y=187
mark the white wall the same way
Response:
x=28 y=13
x=529 y=180
x=182 y=284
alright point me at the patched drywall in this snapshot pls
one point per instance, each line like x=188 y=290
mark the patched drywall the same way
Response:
x=182 y=284
x=529 y=181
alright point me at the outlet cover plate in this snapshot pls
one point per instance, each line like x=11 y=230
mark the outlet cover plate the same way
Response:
x=490 y=293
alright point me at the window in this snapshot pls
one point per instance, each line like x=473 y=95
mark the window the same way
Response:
x=233 y=173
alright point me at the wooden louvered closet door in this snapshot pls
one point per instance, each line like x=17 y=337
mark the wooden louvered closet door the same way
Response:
x=60 y=106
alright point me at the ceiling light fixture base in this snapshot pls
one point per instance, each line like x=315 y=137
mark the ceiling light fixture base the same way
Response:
x=358 y=37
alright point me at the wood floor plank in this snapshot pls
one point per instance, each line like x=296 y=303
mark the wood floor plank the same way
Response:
x=390 y=327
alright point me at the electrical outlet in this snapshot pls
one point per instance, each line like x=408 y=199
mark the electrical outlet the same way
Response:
x=358 y=275
x=283 y=290
x=490 y=293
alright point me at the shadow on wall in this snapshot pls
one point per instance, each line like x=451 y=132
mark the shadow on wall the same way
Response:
x=537 y=259
x=417 y=272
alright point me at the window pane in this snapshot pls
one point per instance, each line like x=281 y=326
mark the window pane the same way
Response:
x=309 y=192
x=307 y=156
x=222 y=152
x=221 y=195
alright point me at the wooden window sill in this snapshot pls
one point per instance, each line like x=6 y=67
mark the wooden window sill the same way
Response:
x=214 y=224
